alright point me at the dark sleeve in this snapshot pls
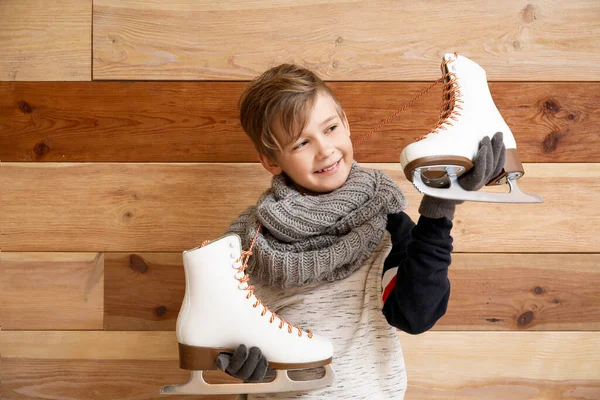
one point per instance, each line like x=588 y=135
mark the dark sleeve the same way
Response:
x=416 y=288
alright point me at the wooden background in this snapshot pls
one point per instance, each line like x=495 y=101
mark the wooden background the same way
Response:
x=120 y=147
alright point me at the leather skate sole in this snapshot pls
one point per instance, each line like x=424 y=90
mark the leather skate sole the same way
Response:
x=512 y=165
x=194 y=358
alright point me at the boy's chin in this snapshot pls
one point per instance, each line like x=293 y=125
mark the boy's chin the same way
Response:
x=327 y=188
x=315 y=190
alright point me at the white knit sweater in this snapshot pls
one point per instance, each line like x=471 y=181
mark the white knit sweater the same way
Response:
x=367 y=358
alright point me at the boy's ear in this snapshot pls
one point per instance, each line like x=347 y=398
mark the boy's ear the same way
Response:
x=346 y=123
x=270 y=165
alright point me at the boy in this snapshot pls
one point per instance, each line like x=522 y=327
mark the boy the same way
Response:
x=336 y=253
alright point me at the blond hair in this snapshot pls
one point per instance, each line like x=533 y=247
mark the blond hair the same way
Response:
x=287 y=92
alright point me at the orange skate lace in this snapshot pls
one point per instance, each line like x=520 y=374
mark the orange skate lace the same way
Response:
x=250 y=288
x=449 y=92
x=451 y=102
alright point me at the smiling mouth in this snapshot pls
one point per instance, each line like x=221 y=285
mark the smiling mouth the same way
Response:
x=329 y=168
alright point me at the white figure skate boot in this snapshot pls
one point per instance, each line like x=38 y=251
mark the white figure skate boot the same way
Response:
x=220 y=312
x=468 y=114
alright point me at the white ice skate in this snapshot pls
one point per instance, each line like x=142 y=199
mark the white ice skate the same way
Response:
x=220 y=312
x=468 y=114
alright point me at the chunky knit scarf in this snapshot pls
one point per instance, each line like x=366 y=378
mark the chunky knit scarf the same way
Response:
x=307 y=238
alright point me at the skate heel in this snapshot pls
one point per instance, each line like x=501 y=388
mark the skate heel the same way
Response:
x=513 y=169
x=194 y=358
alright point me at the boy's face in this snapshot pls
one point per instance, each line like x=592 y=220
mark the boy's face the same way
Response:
x=324 y=142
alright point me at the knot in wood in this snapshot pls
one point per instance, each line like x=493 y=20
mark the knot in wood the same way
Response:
x=526 y=318
x=137 y=263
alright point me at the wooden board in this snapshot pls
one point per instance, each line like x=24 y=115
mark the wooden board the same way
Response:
x=97 y=245
x=489 y=292
x=345 y=40
x=45 y=41
x=144 y=291
x=51 y=290
x=466 y=365
x=199 y=121
x=25 y=379
x=523 y=291
x=502 y=365
x=173 y=207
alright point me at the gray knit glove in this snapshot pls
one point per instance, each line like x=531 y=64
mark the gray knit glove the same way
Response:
x=248 y=365
x=488 y=163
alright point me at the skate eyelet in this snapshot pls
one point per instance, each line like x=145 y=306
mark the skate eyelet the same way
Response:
x=232 y=244
x=240 y=265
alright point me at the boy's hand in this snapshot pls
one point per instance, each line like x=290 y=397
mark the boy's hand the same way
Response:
x=487 y=164
x=248 y=365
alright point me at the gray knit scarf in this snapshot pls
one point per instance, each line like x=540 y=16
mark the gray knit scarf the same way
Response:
x=307 y=238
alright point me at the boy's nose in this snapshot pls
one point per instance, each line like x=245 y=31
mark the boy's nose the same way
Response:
x=325 y=148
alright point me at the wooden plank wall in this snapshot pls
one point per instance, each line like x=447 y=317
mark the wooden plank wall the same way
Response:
x=120 y=147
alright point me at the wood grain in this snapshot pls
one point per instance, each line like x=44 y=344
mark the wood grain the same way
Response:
x=89 y=345
x=545 y=292
x=97 y=207
x=92 y=224
x=345 y=40
x=199 y=122
x=497 y=365
x=514 y=389
x=502 y=365
x=523 y=292
x=45 y=41
x=25 y=379
x=51 y=290
x=143 y=291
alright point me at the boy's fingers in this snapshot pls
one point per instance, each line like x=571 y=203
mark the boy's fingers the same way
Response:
x=472 y=179
x=485 y=142
x=497 y=139
x=260 y=371
x=238 y=359
x=250 y=364
x=499 y=150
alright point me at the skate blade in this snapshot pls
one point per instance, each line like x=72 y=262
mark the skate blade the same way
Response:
x=456 y=192
x=282 y=383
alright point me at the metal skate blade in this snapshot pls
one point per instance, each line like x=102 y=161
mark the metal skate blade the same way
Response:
x=456 y=192
x=282 y=383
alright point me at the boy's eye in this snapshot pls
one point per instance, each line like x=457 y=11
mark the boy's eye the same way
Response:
x=331 y=128
x=300 y=145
